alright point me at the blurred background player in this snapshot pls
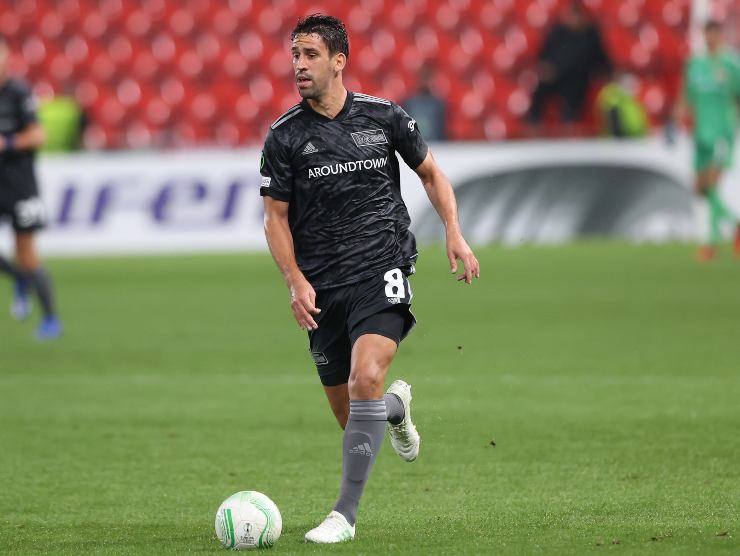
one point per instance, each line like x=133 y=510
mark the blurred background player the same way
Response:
x=64 y=123
x=711 y=93
x=571 y=55
x=427 y=108
x=619 y=111
x=20 y=137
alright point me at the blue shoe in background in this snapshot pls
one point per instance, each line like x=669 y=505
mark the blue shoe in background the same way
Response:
x=20 y=307
x=49 y=329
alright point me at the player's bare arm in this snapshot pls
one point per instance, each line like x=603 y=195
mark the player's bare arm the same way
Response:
x=30 y=138
x=280 y=241
x=440 y=193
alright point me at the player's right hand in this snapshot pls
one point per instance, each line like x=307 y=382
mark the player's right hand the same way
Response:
x=458 y=248
x=303 y=303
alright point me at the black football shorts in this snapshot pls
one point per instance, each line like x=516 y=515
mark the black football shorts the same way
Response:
x=379 y=305
x=26 y=214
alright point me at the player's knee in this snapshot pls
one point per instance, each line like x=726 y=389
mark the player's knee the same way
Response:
x=366 y=379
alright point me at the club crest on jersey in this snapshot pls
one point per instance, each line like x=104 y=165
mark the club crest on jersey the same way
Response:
x=369 y=138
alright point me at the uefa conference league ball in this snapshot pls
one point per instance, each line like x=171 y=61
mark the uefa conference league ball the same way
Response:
x=248 y=519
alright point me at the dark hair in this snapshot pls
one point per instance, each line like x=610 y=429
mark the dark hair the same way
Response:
x=713 y=25
x=329 y=28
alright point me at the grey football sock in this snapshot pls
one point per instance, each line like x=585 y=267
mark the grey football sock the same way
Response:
x=363 y=437
x=394 y=409
x=40 y=281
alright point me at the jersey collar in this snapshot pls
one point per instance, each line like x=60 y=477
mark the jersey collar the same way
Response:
x=340 y=116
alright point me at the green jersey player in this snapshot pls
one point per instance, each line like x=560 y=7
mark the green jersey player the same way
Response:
x=711 y=92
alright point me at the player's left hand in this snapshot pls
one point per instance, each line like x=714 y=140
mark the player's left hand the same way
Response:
x=458 y=248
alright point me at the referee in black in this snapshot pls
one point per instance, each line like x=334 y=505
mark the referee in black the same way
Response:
x=20 y=136
x=338 y=230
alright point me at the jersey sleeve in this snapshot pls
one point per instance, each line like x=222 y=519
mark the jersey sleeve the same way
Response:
x=407 y=139
x=26 y=106
x=276 y=170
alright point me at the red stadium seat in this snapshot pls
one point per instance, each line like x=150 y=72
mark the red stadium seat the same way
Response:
x=655 y=101
x=10 y=23
x=94 y=25
x=164 y=49
x=225 y=22
x=34 y=51
x=203 y=107
x=102 y=68
x=495 y=128
x=76 y=50
x=227 y=134
x=138 y=135
x=145 y=66
x=446 y=17
x=51 y=26
x=157 y=112
x=139 y=23
x=402 y=18
x=172 y=92
x=96 y=138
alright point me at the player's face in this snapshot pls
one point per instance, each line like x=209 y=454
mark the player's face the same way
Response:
x=313 y=66
x=713 y=36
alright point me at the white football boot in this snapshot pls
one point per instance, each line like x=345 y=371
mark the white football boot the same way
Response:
x=404 y=438
x=335 y=528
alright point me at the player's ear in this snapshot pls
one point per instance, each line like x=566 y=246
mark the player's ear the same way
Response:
x=340 y=60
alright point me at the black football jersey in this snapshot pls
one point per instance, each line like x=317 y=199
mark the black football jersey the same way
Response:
x=17 y=111
x=341 y=179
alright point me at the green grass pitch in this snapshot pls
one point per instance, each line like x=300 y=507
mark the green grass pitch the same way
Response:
x=606 y=375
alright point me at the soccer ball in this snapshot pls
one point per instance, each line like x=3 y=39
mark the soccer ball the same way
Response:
x=248 y=519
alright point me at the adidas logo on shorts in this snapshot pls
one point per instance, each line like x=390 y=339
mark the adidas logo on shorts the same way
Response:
x=362 y=449
x=309 y=149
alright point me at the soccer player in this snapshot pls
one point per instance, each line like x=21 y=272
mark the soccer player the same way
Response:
x=338 y=230
x=20 y=136
x=711 y=91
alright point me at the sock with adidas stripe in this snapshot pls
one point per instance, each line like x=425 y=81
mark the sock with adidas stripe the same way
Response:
x=363 y=437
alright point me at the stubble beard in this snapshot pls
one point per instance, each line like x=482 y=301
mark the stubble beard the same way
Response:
x=307 y=95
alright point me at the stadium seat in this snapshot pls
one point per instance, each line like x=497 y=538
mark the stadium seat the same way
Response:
x=94 y=25
x=157 y=112
x=51 y=26
x=139 y=23
x=102 y=68
x=145 y=66
x=495 y=128
x=10 y=23
x=402 y=18
x=76 y=50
